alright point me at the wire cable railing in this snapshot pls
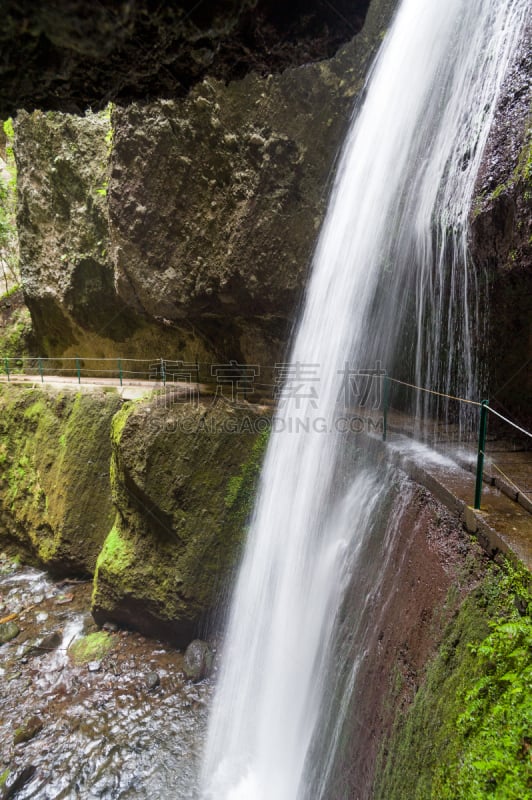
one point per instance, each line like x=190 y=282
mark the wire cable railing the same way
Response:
x=238 y=381
x=505 y=483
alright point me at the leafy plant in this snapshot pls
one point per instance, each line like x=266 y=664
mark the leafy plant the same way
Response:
x=494 y=731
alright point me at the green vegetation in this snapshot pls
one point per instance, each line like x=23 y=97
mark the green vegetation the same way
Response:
x=119 y=421
x=55 y=501
x=468 y=733
x=241 y=488
x=91 y=648
x=10 y=292
x=116 y=550
x=8 y=210
x=14 y=337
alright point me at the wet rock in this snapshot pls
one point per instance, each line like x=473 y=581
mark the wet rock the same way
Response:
x=152 y=681
x=45 y=645
x=62 y=599
x=91 y=649
x=28 y=730
x=21 y=780
x=112 y=627
x=8 y=631
x=198 y=660
x=501 y=238
x=94 y=666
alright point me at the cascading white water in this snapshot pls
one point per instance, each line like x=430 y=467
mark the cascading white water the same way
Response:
x=392 y=256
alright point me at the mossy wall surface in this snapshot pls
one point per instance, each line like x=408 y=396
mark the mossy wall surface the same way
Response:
x=182 y=481
x=55 y=498
x=153 y=499
x=468 y=733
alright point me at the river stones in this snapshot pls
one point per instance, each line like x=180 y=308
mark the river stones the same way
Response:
x=30 y=728
x=152 y=680
x=8 y=631
x=198 y=660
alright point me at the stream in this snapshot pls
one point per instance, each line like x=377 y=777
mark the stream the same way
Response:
x=107 y=730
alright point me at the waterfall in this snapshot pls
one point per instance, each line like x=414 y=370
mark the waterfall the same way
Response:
x=391 y=283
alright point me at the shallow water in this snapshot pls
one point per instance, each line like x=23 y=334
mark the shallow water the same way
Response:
x=105 y=734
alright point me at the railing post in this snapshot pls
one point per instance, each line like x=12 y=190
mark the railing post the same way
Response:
x=481 y=446
x=41 y=371
x=385 y=399
x=163 y=371
x=6 y=365
x=78 y=369
x=120 y=370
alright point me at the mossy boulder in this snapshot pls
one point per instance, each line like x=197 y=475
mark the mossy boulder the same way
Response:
x=55 y=498
x=8 y=630
x=183 y=481
x=28 y=730
x=92 y=647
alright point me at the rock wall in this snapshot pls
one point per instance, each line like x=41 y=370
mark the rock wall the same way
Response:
x=55 y=499
x=429 y=693
x=462 y=731
x=153 y=497
x=501 y=243
x=183 y=482
x=184 y=226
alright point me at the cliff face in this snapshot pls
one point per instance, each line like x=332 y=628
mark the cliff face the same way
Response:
x=62 y=222
x=501 y=243
x=182 y=482
x=184 y=226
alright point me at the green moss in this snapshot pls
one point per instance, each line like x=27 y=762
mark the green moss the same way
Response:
x=183 y=482
x=36 y=410
x=91 y=648
x=10 y=292
x=3 y=777
x=240 y=495
x=467 y=735
x=119 y=421
x=55 y=498
x=14 y=337
x=116 y=553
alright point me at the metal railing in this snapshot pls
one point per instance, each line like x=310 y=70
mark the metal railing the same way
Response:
x=485 y=409
x=241 y=380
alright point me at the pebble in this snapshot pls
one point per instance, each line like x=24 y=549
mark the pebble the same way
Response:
x=94 y=666
x=198 y=660
x=8 y=631
x=28 y=730
x=152 y=681
x=112 y=627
